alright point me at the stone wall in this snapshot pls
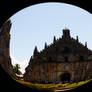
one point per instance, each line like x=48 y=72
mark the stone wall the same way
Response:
x=51 y=72
x=5 y=59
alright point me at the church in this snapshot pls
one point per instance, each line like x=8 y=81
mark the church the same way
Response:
x=65 y=60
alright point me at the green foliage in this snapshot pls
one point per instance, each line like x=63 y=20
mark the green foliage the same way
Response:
x=8 y=35
x=16 y=69
x=42 y=88
x=53 y=87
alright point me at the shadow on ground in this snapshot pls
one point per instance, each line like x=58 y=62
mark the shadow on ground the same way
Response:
x=7 y=83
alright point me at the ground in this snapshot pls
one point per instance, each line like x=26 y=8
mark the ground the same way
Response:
x=53 y=87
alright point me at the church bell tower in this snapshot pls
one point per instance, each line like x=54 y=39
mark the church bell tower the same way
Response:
x=66 y=33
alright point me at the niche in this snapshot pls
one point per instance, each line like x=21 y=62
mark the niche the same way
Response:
x=81 y=57
x=65 y=59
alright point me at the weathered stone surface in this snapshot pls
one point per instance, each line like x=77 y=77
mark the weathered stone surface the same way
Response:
x=5 y=48
x=51 y=72
x=65 y=56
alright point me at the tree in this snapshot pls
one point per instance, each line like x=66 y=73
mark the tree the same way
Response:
x=16 y=69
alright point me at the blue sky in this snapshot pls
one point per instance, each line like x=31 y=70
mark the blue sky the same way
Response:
x=37 y=24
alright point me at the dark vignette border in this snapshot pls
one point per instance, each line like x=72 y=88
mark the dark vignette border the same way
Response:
x=11 y=7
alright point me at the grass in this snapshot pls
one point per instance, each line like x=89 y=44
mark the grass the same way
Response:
x=39 y=87
x=53 y=87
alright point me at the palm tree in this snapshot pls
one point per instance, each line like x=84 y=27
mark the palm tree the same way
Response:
x=16 y=69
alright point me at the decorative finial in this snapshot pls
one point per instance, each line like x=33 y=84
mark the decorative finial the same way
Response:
x=54 y=39
x=86 y=44
x=35 y=51
x=45 y=45
x=77 y=38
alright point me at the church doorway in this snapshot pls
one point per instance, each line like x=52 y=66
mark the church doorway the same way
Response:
x=65 y=77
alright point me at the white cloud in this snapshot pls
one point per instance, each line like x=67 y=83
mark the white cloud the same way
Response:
x=23 y=64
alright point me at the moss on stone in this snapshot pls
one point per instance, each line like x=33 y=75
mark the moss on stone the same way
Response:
x=8 y=35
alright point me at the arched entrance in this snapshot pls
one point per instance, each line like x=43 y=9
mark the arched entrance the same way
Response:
x=65 y=77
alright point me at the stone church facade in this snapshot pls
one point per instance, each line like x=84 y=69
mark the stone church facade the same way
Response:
x=65 y=60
